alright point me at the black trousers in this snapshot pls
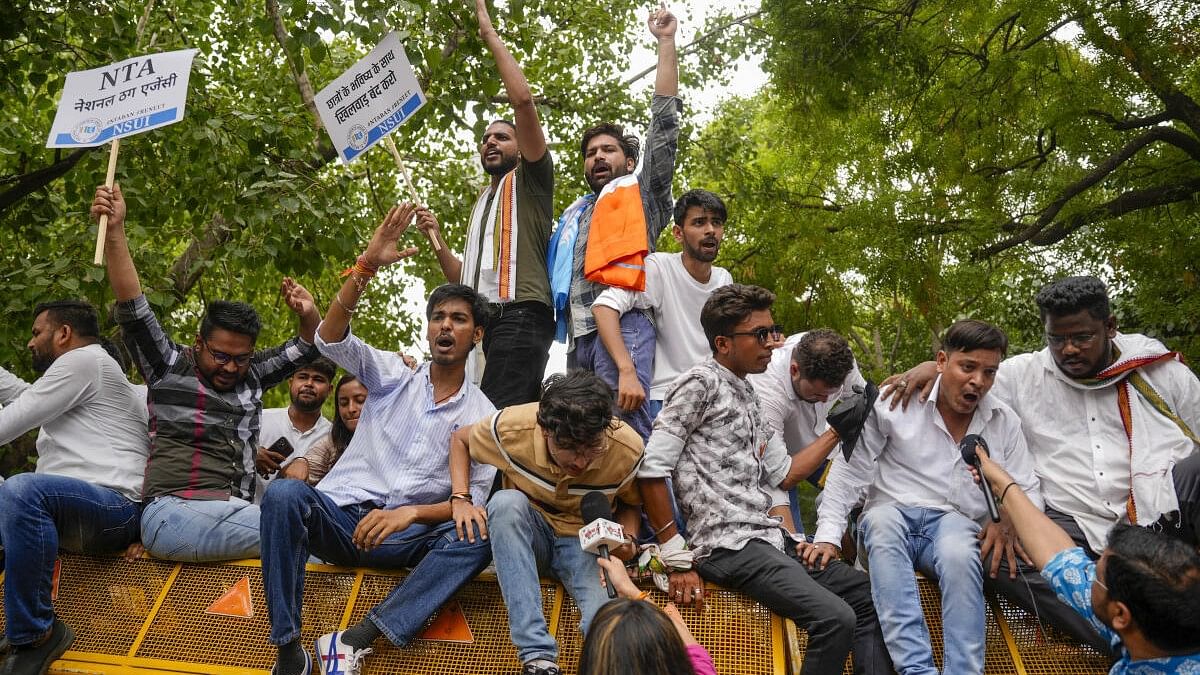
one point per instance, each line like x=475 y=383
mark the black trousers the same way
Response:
x=833 y=605
x=1030 y=591
x=517 y=346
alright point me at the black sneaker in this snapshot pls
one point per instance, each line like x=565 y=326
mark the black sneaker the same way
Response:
x=36 y=660
x=531 y=669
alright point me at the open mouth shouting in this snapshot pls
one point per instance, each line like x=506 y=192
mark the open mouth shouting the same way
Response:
x=444 y=343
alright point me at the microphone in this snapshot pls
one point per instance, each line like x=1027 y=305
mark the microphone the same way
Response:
x=600 y=532
x=967 y=446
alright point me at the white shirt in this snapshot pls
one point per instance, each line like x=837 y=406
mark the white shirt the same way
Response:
x=1078 y=440
x=93 y=422
x=910 y=458
x=799 y=421
x=400 y=453
x=676 y=298
x=275 y=424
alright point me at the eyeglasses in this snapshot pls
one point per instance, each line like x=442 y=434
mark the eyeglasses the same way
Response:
x=222 y=358
x=765 y=335
x=1099 y=583
x=1078 y=340
x=590 y=452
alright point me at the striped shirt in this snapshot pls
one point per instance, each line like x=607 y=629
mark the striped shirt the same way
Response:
x=202 y=442
x=400 y=453
x=658 y=170
x=512 y=440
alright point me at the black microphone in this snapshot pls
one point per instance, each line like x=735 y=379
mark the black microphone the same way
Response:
x=971 y=456
x=599 y=531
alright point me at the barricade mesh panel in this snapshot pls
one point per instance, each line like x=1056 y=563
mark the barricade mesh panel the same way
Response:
x=736 y=631
x=106 y=600
x=491 y=652
x=182 y=631
x=1048 y=651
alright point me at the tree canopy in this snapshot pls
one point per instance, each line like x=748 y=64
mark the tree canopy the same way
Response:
x=914 y=163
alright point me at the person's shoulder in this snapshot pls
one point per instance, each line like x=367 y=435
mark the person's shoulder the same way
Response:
x=626 y=445
x=721 y=276
x=82 y=362
x=273 y=413
x=520 y=418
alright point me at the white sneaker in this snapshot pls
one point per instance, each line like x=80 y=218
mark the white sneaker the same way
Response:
x=338 y=658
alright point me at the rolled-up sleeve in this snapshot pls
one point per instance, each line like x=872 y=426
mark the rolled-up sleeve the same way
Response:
x=376 y=369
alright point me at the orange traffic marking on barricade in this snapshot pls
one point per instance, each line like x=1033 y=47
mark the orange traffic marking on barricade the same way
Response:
x=235 y=601
x=450 y=625
x=54 y=579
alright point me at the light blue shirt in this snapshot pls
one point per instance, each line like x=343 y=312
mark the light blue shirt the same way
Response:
x=400 y=453
x=1070 y=574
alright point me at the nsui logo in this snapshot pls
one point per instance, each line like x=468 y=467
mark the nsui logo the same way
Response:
x=86 y=131
x=357 y=137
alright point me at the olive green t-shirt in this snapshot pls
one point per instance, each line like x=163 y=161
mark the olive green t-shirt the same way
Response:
x=535 y=221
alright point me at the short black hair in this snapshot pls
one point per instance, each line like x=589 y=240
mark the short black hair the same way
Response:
x=704 y=199
x=78 y=314
x=235 y=317
x=1158 y=579
x=970 y=334
x=628 y=142
x=1071 y=295
x=478 y=303
x=730 y=305
x=508 y=123
x=321 y=365
x=575 y=408
x=823 y=355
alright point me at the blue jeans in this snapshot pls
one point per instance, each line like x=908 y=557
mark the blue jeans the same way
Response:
x=298 y=520
x=942 y=545
x=524 y=544
x=200 y=530
x=640 y=338
x=40 y=514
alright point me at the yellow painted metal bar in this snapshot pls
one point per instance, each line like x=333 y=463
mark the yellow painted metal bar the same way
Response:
x=792 y=637
x=556 y=609
x=80 y=662
x=158 y=603
x=1002 y=624
x=778 y=659
x=352 y=600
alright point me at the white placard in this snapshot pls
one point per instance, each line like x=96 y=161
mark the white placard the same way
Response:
x=122 y=99
x=369 y=100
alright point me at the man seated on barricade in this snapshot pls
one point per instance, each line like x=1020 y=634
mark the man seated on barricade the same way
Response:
x=1142 y=595
x=1111 y=421
x=84 y=495
x=285 y=434
x=812 y=375
x=677 y=284
x=603 y=237
x=504 y=256
x=725 y=463
x=921 y=508
x=386 y=501
x=549 y=454
x=205 y=405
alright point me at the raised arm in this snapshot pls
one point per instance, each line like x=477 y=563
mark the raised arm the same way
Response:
x=662 y=25
x=122 y=275
x=302 y=304
x=450 y=264
x=530 y=138
x=381 y=251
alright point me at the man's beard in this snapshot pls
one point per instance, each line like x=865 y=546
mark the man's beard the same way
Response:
x=312 y=405
x=41 y=363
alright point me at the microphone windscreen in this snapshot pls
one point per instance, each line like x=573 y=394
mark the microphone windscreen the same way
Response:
x=967 y=447
x=594 y=505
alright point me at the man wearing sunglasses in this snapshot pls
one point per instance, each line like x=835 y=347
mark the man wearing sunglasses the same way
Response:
x=550 y=454
x=1111 y=420
x=725 y=464
x=205 y=407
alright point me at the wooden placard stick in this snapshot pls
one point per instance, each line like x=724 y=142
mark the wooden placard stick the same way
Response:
x=412 y=190
x=113 y=150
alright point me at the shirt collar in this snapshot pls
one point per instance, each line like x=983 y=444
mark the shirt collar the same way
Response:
x=983 y=411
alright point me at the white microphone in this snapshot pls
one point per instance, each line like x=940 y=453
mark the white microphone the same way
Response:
x=600 y=533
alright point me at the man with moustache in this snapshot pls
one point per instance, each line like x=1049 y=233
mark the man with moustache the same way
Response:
x=505 y=254
x=84 y=495
x=205 y=405
x=386 y=503
x=602 y=239
x=677 y=284
x=301 y=423
x=1111 y=419
x=725 y=464
x=922 y=508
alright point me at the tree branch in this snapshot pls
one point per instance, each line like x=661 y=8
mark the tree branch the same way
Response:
x=31 y=182
x=690 y=47
x=188 y=267
x=1129 y=122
